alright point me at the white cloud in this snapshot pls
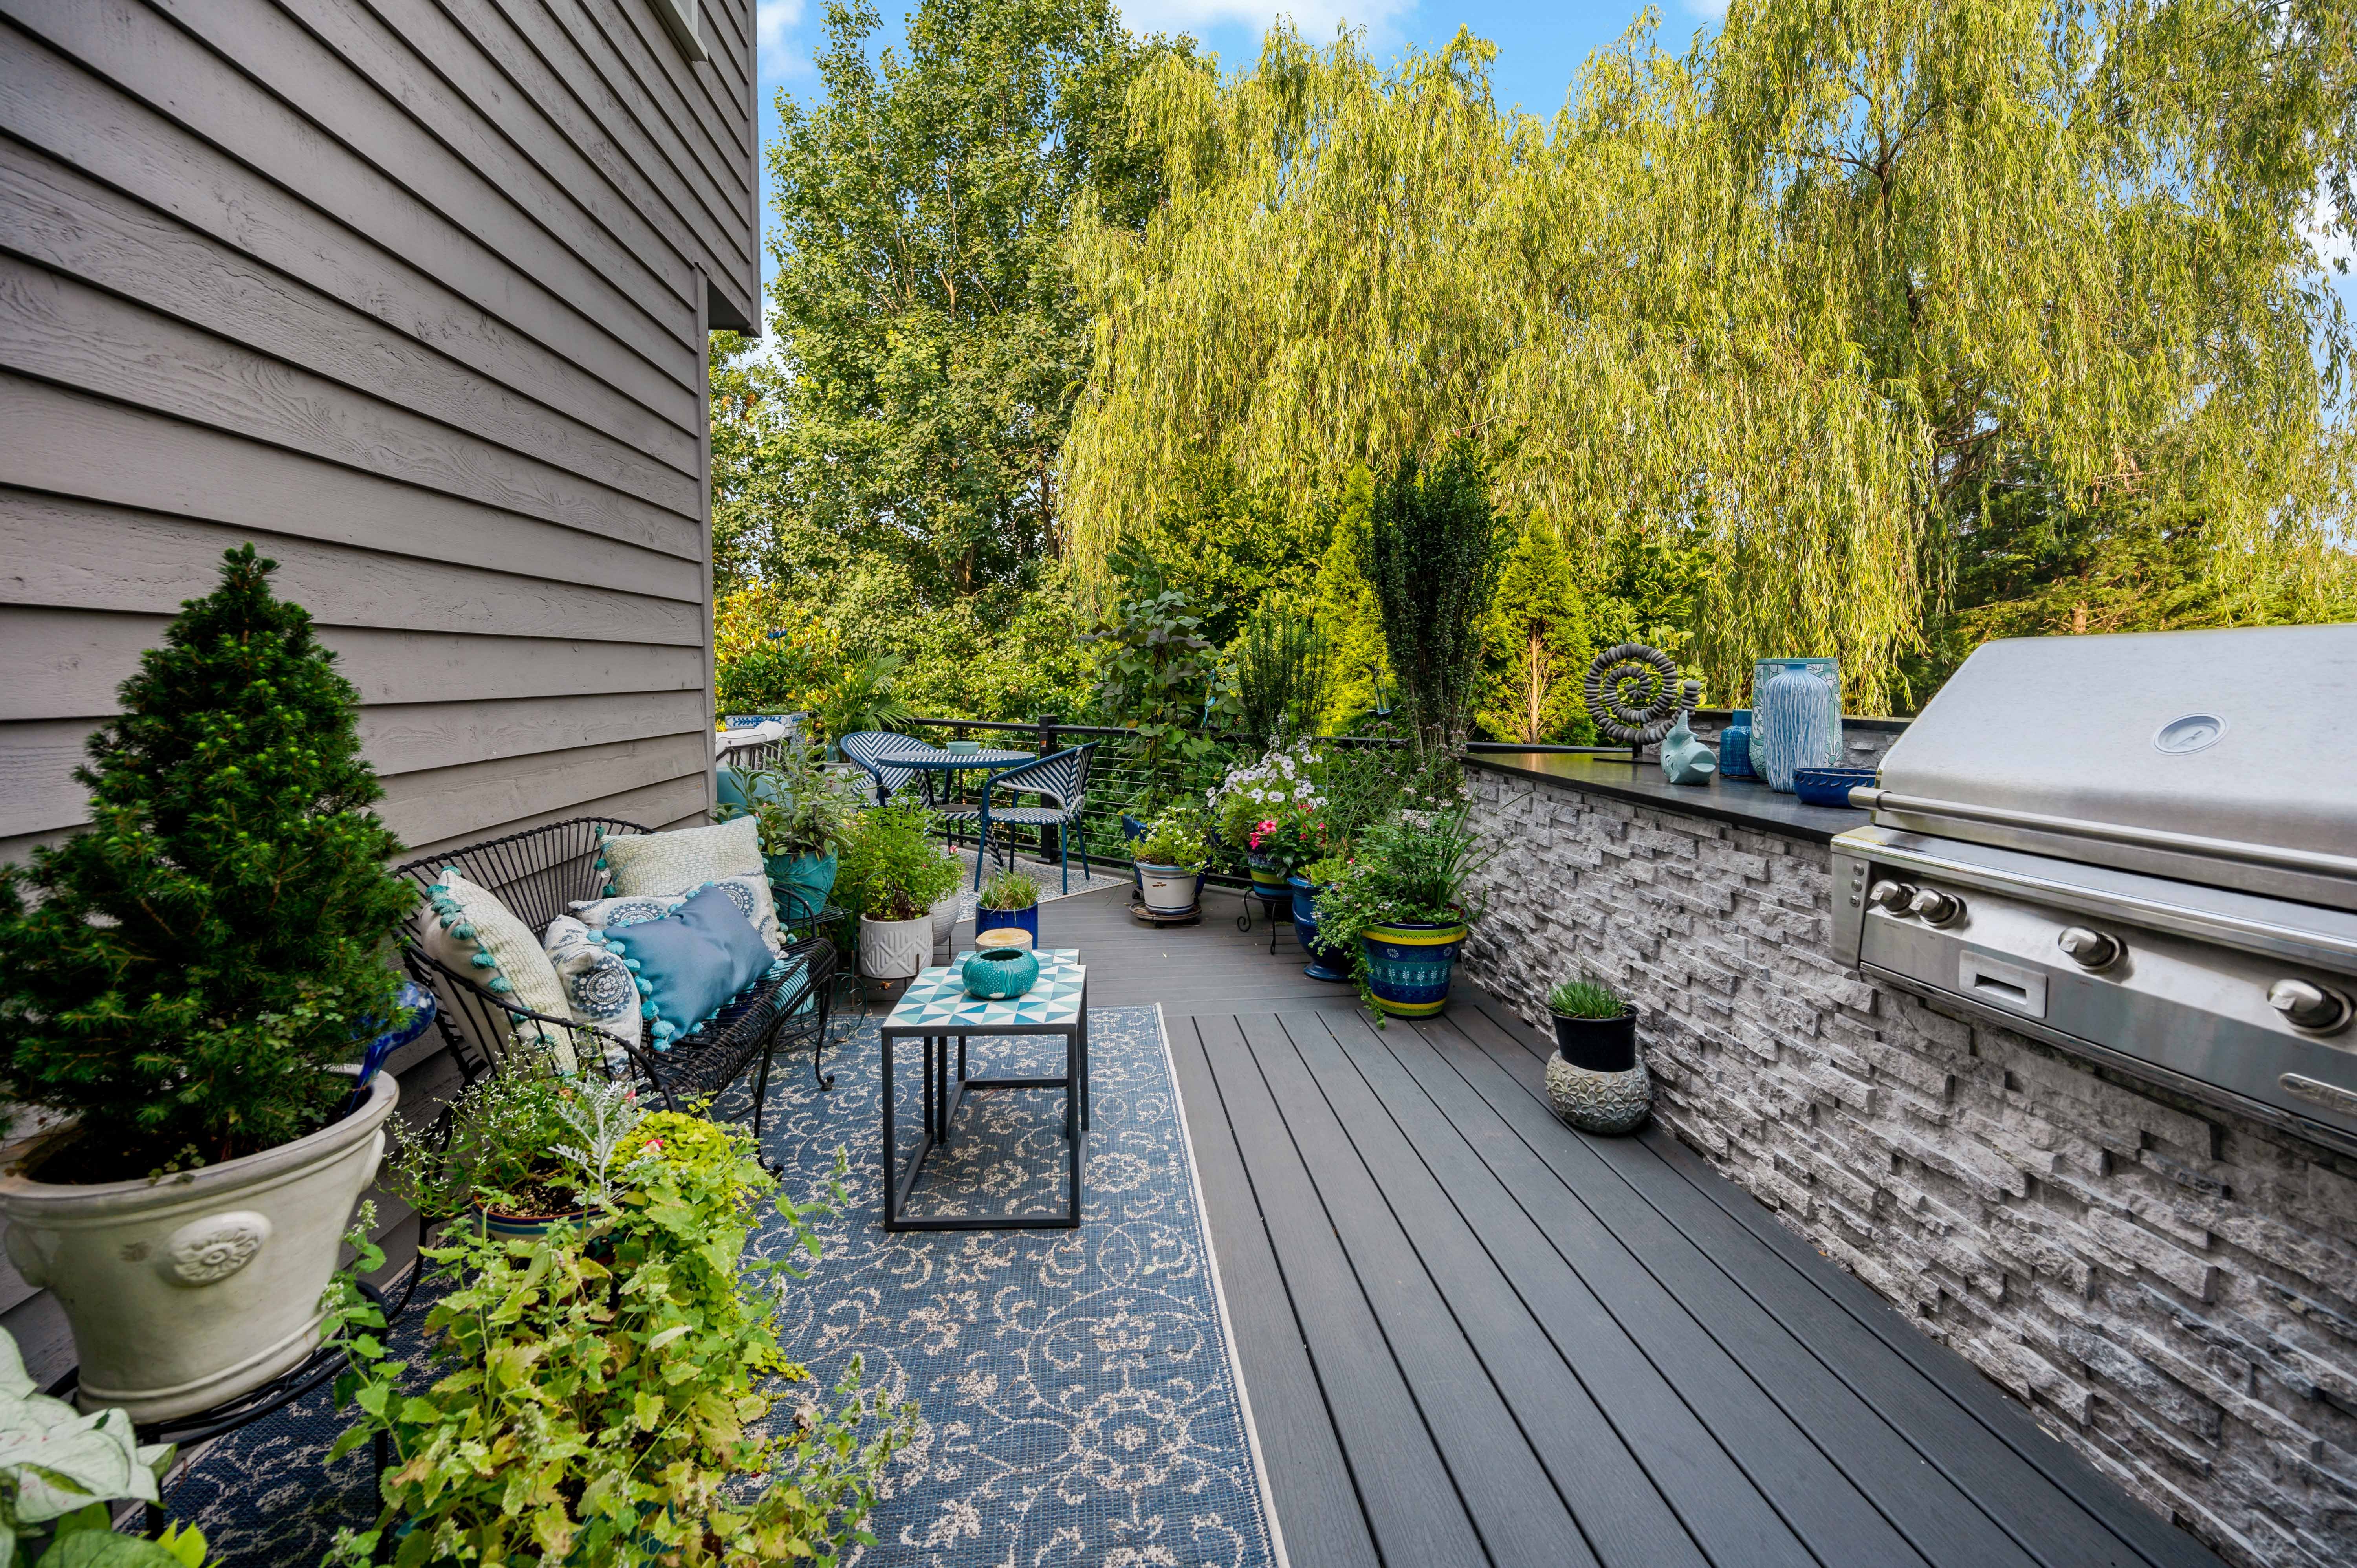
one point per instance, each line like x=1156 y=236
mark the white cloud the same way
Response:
x=1317 y=20
x=773 y=20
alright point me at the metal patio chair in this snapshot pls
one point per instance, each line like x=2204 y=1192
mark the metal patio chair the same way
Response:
x=538 y=874
x=1062 y=782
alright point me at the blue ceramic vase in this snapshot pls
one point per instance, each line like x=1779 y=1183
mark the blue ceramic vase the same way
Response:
x=1795 y=718
x=993 y=974
x=1024 y=919
x=1735 y=747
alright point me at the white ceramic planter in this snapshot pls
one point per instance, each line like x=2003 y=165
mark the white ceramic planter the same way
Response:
x=895 y=949
x=1166 y=889
x=945 y=919
x=191 y=1290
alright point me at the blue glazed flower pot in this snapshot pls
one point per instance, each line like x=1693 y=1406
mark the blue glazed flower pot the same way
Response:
x=995 y=974
x=801 y=884
x=1409 y=967
x=1324 y=962
x=1025 y=919
x=1735 y=747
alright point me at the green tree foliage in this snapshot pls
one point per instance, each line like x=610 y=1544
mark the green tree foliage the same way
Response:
x=217 y=936
x=1432 y=553
x=929 y=341
x=1225 y=546
x=1539 y=644
x=1806 y=300
x=1358 y=671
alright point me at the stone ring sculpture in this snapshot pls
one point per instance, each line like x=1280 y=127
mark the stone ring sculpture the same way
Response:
x=1635 y=692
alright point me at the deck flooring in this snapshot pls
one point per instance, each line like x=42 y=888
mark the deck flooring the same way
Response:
x=1470 y=1336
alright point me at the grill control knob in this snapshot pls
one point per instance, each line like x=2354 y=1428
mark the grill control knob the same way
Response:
x=1937 y=908
x=2308 y=1006
x=2089 y=950
x=1891 y=895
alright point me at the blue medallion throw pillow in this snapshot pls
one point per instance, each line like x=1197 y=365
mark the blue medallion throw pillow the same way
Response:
x=690 y=964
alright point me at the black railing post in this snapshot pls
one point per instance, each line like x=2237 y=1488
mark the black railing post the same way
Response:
x=1048 y=748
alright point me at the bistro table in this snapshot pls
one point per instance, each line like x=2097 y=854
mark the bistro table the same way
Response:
x=937 y=1010
x=951 y=763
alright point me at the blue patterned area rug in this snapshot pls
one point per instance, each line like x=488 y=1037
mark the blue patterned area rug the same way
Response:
x=1080 y=1405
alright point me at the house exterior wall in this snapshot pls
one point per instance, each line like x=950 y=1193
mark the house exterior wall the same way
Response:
x=2170 y=1288
x=413 y=295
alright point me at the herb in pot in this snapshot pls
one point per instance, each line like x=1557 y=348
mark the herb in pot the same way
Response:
x=1589 y=996
x=891 y=869
x=1009 y=890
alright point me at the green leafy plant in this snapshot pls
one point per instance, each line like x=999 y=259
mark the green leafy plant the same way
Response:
x=799 y=807
x=1411 y=870
x=1589 y=996
x=891 y=869
x=1432 y=550
x=605 y=1394
x=219 y=933
x=1283 y=671
x=1160 y=678
x=60 y=1470
x=494 y=1144
x=863 y=698
x=1174 y=838
x=1009 y=890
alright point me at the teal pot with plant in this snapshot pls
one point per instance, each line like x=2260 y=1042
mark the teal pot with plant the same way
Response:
x=801 y=883
x=1595 y=1078
x=1410 y=965
x=1327 y=963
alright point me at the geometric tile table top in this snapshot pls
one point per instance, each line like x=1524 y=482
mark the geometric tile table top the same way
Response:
x=937 y=1004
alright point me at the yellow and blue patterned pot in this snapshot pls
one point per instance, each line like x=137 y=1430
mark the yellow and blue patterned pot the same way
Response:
x=1408 y=966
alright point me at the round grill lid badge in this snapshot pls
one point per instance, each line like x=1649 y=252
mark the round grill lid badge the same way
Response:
x=2194 y=732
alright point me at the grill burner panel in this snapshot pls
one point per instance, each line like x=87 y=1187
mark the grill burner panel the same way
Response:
x=2142 y=849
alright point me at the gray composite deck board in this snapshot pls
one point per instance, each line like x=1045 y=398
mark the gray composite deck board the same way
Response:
x=1470 y=1335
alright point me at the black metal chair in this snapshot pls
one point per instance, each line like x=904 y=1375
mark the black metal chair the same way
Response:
x=539 y=873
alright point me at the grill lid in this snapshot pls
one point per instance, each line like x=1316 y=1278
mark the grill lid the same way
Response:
x=2224 y=757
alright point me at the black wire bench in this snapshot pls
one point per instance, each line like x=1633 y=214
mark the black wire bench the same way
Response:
x=540 y=874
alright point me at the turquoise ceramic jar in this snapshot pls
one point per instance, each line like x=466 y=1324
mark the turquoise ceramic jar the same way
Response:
x=994 y=974
x=1735 y=747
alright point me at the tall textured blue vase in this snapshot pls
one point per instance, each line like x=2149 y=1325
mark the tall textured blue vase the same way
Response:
x=1795 y=718
x=1735 y=747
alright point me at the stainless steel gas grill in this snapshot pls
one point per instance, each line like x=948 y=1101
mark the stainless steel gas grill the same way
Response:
x=2141 y=848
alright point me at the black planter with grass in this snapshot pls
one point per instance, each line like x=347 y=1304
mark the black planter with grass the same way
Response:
x=1595 y=1078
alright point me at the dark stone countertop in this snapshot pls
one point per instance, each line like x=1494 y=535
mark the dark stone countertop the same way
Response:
x=1747 y=803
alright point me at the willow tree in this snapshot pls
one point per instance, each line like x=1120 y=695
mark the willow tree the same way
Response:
x=1808 y=298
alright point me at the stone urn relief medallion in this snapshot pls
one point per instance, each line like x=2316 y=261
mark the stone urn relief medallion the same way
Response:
x=207 y=1252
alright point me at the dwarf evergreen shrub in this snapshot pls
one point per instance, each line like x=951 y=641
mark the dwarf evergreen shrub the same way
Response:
x=187 y=964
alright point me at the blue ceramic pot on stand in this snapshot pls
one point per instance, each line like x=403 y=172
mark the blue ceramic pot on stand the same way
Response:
x=1795 y=718
x=1330 y=963
x=1735 y=747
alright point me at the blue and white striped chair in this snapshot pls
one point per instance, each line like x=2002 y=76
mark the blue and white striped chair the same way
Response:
x=874 y=749
x=1062 y=782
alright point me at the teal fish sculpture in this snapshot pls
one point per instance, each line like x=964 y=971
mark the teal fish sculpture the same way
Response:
x=1685 y=758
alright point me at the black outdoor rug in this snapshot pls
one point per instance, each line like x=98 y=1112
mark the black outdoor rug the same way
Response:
x=1080 y=1402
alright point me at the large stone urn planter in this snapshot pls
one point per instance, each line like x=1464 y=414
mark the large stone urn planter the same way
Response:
x=191 y=1290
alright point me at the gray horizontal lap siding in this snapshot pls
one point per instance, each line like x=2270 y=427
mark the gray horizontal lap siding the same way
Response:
x=412 y=293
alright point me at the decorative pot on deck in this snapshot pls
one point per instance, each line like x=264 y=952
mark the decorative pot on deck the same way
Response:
x=1024 y=919
x=801 y=884
x=184 y=1292
x=1268 y=877
x=1409 y=966
x=1326 y=961
x=995 y=974
x=1168 y=889
x=895 y=949
x=1595 y=1077
x=499 y=1225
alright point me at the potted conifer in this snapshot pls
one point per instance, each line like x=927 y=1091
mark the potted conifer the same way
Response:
x=185 y=976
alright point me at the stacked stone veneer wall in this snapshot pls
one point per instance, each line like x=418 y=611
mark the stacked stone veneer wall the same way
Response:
x=2172 y=1289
